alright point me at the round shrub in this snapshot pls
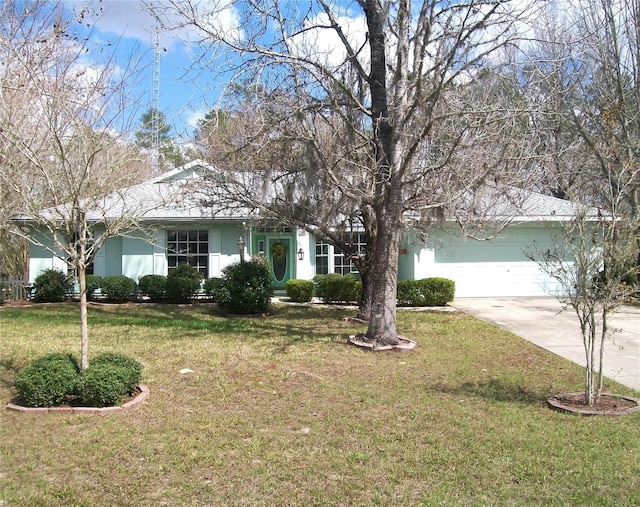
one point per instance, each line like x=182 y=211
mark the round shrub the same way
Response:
x=130 y=368
x=247 y=287
x=94 y=282
x=183 y=283
x=118 y=287
x=153 y=286
x=213 y=288
x=103 y=385
x=46 y=380
x=51 y=286
x=300 y=291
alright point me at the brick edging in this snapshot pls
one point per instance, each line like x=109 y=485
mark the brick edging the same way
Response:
x=555 y=403
x=143 y=395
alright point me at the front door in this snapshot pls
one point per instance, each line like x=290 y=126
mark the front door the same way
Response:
x=280 y=256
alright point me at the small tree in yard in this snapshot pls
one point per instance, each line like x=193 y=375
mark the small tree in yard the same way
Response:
x=63 y=141
x=593 y=261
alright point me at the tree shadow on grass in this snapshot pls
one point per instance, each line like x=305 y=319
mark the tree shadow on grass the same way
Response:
x=494 y=389
x=9 y=368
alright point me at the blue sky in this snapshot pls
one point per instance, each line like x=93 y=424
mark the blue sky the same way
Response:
x=185 y=96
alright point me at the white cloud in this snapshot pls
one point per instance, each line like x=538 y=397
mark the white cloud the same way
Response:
x=136 y=19
x=324 y=45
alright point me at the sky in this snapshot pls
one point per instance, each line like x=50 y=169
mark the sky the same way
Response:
x=185 y=96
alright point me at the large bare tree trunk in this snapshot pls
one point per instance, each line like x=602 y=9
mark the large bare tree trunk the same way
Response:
x=388 y=191
x=382 y=328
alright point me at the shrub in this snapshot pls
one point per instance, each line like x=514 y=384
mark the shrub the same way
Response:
x=103 y=385
x=183 y=283
x=46 y=380
x=247 y=287
x=131 y=369
x=153 y=286
x=213 y=288
x=425 y=292
x=51 y=286
x=300 y=291
x=118 y=287
x=94 y=282
x=334 y=288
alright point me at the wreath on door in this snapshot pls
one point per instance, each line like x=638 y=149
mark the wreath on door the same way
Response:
x=278 y=251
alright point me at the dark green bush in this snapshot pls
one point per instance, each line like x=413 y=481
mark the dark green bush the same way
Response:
x=131 y=369
x=118 y=287
x=103 y=385
x=334 y=288
x=247 y=287
x=46 y=380
x=425 y=292
x=94 y=282
x=300 y=291
x=212 y=288
x=153 y=286
x=51 y=286
x=183 y=283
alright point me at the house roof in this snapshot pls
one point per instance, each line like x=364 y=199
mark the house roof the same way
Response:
x=171 y=197
x=527 y=206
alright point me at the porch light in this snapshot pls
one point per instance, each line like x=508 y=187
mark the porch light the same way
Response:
x=300 y=254
x=241 y=248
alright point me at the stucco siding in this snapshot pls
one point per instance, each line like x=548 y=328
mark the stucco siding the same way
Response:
x=137 y=256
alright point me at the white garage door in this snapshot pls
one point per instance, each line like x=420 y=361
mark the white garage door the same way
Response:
x=498 y=267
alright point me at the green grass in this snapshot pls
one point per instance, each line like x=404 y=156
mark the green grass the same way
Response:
x=281 y=412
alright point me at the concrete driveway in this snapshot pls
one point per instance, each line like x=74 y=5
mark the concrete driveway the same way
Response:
x=544 y=322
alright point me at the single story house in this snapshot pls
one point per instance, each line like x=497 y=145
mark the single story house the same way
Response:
x=178 y=229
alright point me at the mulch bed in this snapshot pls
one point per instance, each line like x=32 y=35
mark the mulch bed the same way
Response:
x=607 y=404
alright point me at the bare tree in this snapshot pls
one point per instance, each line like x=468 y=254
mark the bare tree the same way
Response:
x=359 y=94
x=583 y=78
x=63 y=144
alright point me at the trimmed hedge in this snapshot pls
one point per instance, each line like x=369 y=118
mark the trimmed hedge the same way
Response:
x=212 y=288
x=183 y=283
x=153 y=286
x=103 y=385
x=118 y=287
x=131 y=369
x=51 y=286
x=334 y=288
x=94 y=282
x=300 y=291
x=47 y=380
x=425 y=292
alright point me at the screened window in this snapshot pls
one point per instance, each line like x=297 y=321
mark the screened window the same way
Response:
x=189 y=247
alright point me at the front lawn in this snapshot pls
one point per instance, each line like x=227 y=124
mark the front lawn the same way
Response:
x=280 y=411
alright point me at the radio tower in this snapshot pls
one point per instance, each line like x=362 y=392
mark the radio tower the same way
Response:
x=155 y=103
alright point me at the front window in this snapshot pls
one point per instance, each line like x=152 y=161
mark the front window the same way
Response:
x=322 y=258
x=188 y=247
x=344 y=264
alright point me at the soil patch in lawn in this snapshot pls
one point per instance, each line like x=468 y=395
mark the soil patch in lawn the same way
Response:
x=607 y=404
